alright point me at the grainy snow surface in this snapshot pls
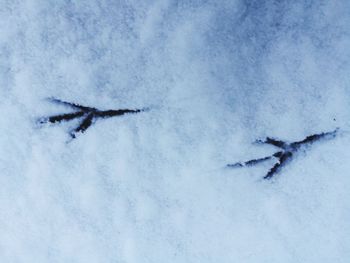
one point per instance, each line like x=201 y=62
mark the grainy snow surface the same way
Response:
x=153 y=187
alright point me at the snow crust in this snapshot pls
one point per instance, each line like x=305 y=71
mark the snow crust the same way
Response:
x=153 y=187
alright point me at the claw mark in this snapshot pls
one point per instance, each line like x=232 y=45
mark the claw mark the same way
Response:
x=286 y=153
x=88 y=114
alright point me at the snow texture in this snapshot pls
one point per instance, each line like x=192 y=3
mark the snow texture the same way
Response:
x=154 y=186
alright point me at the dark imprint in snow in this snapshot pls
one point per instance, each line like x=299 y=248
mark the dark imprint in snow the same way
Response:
x=287 y=150
x=88 y=114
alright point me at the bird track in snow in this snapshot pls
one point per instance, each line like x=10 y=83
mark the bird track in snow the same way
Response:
x=88 y=115
x=286 y=153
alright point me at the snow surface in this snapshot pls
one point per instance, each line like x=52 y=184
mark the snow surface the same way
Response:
x=153 y=187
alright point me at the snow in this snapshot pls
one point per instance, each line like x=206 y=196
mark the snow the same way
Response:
x=153 y=187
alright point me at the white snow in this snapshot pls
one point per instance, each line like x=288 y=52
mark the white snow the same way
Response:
x=153 y=187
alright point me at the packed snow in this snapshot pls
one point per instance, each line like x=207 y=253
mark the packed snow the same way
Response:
x=154 y=186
